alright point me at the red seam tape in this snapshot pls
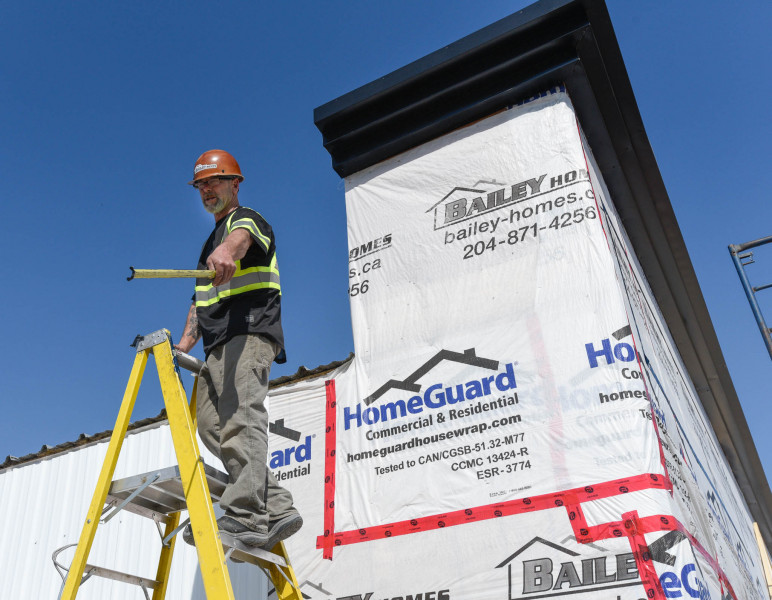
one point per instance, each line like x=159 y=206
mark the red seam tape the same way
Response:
x=652 y=524
x=501 y=509
x=330 y=440
x=642 y=554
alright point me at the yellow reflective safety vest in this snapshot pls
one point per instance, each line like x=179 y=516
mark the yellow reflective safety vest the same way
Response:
x=251 y=301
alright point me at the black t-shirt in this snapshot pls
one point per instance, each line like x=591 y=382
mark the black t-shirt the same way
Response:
x=251 y=301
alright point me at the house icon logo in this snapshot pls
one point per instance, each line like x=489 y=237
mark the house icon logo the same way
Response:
x=410 y=383
x=545 y=569
x=462 y=203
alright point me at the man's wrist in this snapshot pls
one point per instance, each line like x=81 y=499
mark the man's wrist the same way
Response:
x=186 y=344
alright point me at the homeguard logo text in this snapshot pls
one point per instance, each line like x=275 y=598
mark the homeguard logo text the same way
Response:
x=620 y=351
x=294 y=455
x=436 y=395
x=463 y=203
x=545 y=568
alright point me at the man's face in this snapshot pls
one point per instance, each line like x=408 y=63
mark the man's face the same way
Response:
x=217 y=193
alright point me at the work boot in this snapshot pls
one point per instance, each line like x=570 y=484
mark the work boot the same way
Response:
x=237 y=530
x=281 y=529
x=187 y=535
x=241 y=532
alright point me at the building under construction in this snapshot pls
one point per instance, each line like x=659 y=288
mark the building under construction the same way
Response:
x=537 y=405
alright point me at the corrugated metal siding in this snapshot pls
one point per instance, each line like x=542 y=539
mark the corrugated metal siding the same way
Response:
x=43 y=505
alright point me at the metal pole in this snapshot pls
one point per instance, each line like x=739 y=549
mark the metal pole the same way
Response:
x=749 y=245
x=750 y=291
x=190 y=363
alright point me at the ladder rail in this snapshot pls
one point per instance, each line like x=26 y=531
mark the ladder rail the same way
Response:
x=62 y=570
x=165 y=559
x=214 y=569
x=78 y=565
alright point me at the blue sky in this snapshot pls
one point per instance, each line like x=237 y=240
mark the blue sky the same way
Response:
x=106 y=105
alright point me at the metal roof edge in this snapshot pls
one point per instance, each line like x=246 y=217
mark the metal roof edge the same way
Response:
x=47 y=451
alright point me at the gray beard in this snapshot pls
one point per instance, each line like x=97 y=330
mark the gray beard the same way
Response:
x=215 y=208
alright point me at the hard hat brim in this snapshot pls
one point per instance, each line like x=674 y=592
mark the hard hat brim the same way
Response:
x=223 y=176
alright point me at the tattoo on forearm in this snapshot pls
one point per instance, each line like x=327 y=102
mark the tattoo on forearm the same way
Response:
x=194 y=329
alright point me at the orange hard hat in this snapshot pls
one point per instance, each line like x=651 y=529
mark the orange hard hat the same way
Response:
x=215 y=163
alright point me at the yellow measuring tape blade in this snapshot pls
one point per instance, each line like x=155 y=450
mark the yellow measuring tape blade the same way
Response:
x=168 y=273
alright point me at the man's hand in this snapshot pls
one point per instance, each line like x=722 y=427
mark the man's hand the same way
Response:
x=222 y=262
x=223 y=259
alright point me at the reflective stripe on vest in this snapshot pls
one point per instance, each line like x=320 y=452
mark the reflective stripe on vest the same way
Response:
x=253 y=278
x=243 y=280
x=250 y=226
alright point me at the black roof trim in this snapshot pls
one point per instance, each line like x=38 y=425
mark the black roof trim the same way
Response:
x=473 y=77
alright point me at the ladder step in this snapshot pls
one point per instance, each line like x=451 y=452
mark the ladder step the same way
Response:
x=138 y=510
x=165 y=495
x=249 y=554
x=142 y=582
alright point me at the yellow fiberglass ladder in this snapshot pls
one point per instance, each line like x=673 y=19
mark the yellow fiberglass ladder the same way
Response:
x=162 y=495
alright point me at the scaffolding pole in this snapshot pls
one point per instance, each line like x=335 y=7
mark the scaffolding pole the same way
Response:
x=739 y=254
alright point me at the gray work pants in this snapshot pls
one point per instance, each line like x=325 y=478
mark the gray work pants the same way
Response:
x=233 y=424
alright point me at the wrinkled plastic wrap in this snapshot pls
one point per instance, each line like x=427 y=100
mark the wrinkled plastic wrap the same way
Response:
x=517 y=422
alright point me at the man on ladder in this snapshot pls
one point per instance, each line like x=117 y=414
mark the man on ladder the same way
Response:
x=238 y=315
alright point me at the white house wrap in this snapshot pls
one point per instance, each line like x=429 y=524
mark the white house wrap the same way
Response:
x=517 y=422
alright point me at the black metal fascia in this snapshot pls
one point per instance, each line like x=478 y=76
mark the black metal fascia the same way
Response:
x=484 y=72
x=439 y=59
